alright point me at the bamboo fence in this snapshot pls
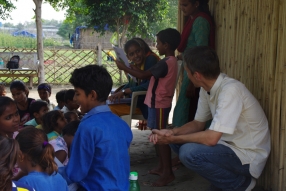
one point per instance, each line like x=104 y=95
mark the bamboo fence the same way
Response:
x=250 y=42
x=60 y=63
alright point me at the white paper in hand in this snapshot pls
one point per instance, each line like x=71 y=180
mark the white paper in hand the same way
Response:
x=120 y=54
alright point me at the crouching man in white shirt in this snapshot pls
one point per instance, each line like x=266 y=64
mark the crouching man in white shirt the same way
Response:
x=232 y=153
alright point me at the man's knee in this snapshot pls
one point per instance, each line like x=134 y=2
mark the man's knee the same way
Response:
x=189 y=151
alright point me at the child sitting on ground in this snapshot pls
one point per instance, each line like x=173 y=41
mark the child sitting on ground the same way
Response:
x=69 y=132
x=9 y=117
x=53 y=124
x=38 y=109
x=37 y=159
x=20 y=94
x=102 y=139
x=9 y=155
x=159 y=96
x=60 y=97
x=70 y=104
x=71 y=116
x=2 y=90
x=45 y=91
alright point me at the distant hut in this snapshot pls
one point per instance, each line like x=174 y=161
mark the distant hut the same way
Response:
x=88 y=38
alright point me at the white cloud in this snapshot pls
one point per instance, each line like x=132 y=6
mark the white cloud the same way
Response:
x=24 y=12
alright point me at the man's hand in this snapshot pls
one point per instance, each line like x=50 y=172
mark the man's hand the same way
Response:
x=161 y=136
x=120 y=65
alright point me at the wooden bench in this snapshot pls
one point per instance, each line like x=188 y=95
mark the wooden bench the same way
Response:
x=28 y=66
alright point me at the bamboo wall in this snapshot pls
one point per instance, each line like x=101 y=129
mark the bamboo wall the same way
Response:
x=251 y=45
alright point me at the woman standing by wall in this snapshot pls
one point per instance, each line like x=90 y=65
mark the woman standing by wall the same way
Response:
x=198 y=31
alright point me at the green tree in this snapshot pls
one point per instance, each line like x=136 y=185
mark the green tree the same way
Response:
x=20 y=26
x=6 y=6
x=122 y=16
x=170 y=21
x=65 y=29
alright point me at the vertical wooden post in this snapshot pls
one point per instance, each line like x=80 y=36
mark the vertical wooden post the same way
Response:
x=40 y=47
x=99 y=54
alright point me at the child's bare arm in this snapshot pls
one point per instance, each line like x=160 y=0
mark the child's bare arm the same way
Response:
x=61 y=155
x=136 y=73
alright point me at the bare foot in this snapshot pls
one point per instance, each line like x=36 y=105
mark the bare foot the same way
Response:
x=176 y=161
x=156 y=171
x=163 y=181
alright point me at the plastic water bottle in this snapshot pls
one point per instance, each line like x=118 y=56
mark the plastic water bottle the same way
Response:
x=1 y=63
x=133 y=180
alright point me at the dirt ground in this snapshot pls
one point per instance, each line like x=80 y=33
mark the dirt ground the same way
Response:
x=143 y=158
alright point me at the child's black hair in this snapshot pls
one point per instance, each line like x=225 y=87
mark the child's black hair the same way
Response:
x=170 y=36
x=49 y=120
x=69 y=114
x=93 y=77
x=36 y=106
x=69 y=94
x=45 y=86
x=71 y=128
x=19 y=85
x=60 y=96
x=4 y=102
x=138 y=42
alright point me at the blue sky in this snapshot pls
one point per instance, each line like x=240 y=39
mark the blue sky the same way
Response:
x=24 y=12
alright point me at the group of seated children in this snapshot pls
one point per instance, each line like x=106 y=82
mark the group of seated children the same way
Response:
x=37 y=126
x=99 y=157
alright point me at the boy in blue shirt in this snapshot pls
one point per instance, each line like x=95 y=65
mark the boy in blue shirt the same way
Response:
x=99 y=152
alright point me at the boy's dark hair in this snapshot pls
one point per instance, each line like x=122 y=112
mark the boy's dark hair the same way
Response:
x=69 y=94
x=170 y=36
x=19 y=85
x=204 y=60
x=36 y=106
x=69 y=114
x=60 y=96
x=4 y=102
x=93 y=77
x=45 y=86
x=34 y=143
x=71 y=128
x=49 y=120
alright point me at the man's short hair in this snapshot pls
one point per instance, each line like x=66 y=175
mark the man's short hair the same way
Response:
x=36 y=106
x=170 y=36
x=93 y=77
x=69 y=94
x=204 y=60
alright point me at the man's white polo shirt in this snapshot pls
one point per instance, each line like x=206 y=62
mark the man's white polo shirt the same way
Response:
x=238 y=115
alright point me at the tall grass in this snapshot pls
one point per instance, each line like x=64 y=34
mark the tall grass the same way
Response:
x=7 y=40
